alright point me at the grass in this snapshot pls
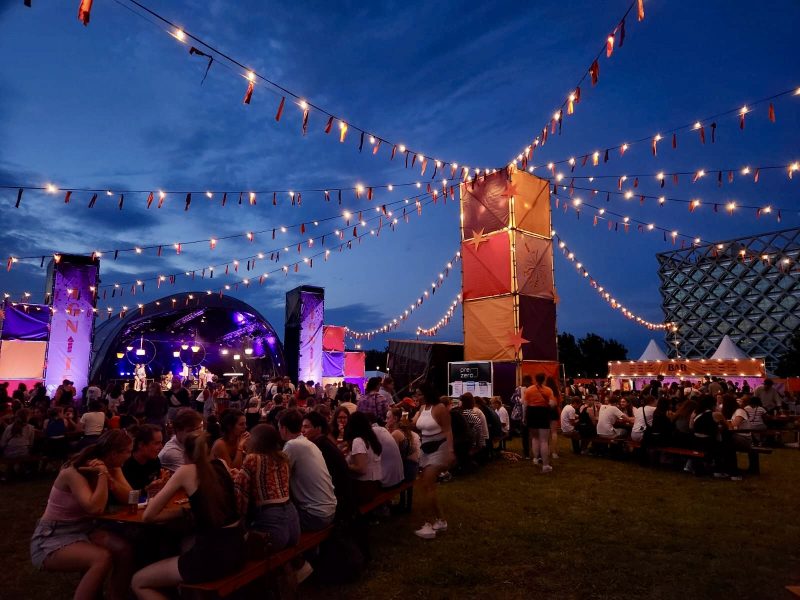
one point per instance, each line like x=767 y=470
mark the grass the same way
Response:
x=594 y=528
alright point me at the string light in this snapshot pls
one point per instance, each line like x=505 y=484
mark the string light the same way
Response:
x=443 y=322
x=403 y=316
x=604 y=293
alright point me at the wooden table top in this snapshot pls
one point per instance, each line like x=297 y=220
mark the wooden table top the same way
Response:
x=122 y=514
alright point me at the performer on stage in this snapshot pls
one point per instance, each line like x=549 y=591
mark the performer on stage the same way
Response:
x=140 y=378
x=202 y=376
x=166 y=381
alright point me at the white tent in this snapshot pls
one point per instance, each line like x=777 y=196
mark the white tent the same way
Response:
x=727 y=350
x=653 y=352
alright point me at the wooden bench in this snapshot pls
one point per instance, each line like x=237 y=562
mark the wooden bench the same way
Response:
x=256 y=569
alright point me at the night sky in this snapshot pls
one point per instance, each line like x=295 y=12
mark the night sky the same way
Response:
x=120 y=105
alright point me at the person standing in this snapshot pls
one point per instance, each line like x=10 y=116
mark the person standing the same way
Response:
x=436 y=443
x=538 y=400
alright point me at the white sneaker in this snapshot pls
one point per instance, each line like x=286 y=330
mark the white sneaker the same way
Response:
x=426 y=532
x=440 y=525
x=554 y=455
x=304 y=572
x=537 y=461
x=546 y=468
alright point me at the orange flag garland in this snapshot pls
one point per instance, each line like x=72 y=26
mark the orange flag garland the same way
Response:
x=84 y=11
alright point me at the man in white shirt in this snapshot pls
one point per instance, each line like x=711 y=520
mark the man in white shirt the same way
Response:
x=311 y=484
x=391 y=459
x=569 y=418
x=609 y=416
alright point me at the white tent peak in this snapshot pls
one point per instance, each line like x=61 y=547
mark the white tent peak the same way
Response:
x=653 y=352
x=727 y=350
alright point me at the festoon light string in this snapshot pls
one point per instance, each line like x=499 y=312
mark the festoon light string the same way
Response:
x=705 y=129
x=602 y=291
x=555 y=123
x=211 y=53
x=394 y=323
x=443 y=322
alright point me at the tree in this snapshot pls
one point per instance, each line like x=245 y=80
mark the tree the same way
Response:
x=589 y=356
x=375 y=360
x=789 y=362
x=569 y=354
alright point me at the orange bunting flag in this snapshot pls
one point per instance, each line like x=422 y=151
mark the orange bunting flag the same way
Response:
x=84 y=11
x=280 y=108
x=249 y=93
x=342 y=131
x=595 y=159
x=424 y=165
x=212 y=243
x=609 y=45
x=571 y=105
x=640 y=10
x=741 y=120
x=375 y=147
x=328 y=125
x=771 y=113
x=755 y=176
x=655 y=147
x=594 y=71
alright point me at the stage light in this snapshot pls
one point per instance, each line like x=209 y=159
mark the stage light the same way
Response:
x=120 y=354
x=140 y=352
x=195 y=349
x=184 y=346
x=236 y=357
x=224 y=351
x=248 y=351
x=129 y=348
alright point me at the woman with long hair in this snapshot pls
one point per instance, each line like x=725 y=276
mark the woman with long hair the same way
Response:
x=408 y=441
x=436 y=442
x=338 y=424
x=364 y=459
x=218 y=548
x=17 y=439
x=262 y=489
x=229 y=448
x=66 y=539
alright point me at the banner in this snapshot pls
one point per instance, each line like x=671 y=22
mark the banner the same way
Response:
x=71 y=324
x=25 y=322
x=688 y=368
x=22 y=360
x=312 y=307
x=474 y=377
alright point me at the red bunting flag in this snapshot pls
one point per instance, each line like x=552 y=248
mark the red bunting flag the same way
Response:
x=84 y=11
x=640 y=10
x=328 y=125
x=375 y=147
x=771 y=113
x=702 y=135
x=674 y=141
x=67 y=197
x=305 y=121
x=149 y=199
x=594 y=71
x=249 y=93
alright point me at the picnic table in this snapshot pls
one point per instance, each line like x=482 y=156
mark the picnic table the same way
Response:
x=123 y=514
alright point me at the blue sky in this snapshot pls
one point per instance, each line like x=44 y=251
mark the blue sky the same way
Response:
x=119 y=105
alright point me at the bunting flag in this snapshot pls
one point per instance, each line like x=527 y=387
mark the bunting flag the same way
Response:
x=280 y=109
x=249 y=93
x=193 y=51
x=84 y=11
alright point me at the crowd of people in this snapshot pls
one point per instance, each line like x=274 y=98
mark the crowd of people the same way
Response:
x=711 y=415
x=310 y=458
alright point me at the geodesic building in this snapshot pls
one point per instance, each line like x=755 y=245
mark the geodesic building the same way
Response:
x=747 y=288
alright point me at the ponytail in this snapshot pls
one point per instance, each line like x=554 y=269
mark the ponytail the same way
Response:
x=210 y=496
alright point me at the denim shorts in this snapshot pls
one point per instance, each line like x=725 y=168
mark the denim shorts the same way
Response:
x=50 y=536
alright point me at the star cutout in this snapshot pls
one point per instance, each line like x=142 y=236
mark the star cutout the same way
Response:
x=510 y=189
x=516 y=340
x=478 y=238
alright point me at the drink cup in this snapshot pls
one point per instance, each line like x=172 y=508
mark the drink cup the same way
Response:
x=133 y=501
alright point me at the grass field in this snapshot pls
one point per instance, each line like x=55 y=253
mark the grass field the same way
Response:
x=594 y=528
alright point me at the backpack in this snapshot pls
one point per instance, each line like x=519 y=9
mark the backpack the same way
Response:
x=585 y=426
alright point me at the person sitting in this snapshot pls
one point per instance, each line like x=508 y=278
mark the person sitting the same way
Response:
x=372 y=402
x=173 y=454
x=364 y=459
x=505 y=422
x=55 y=433
x=742 y=441
x=219 y=546
x=391 y=459
x=311 y=484
x=643 y=418
x=755 y=413
x=17 y=438
x=143 y=466
x=610 y=415
x=338 y=424
x=66 y=538
x=92 y=423
x=569 y=419
x=316 y=429
x=707 y=427
x=662 y=425
x=262 y=490
x=682 y=434
x=467 y=406
x=229 y=448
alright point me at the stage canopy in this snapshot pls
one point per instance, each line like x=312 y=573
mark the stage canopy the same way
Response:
x=206 y=330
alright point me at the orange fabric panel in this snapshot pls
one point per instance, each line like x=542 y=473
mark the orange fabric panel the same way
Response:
x=687 y=368
x=550 y=369
x=531 y=203
x=534 y=266
x=484 y=205
x=487 y=269
x=488 y=324
x=22 y=360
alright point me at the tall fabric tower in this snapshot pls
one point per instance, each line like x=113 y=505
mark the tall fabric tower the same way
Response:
x=507 y=271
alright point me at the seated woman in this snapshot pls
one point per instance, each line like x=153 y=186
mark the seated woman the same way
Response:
x=229 y=448
x=262 y=490
x=711 y=437
x=218 y=548
x=755 y=413
x=17 y=438
x=66 y=538
x=742 y=442
x=364 y=459
x=338 y=424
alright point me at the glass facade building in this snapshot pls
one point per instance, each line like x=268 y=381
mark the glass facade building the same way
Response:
x=747 y=288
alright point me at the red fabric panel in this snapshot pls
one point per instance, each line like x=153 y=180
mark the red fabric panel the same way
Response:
x=354 y=364
x=483 y=204
x=333 y=338
x=550 y=369
x=487 y=270
x=537 y=318
x=534 y=266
